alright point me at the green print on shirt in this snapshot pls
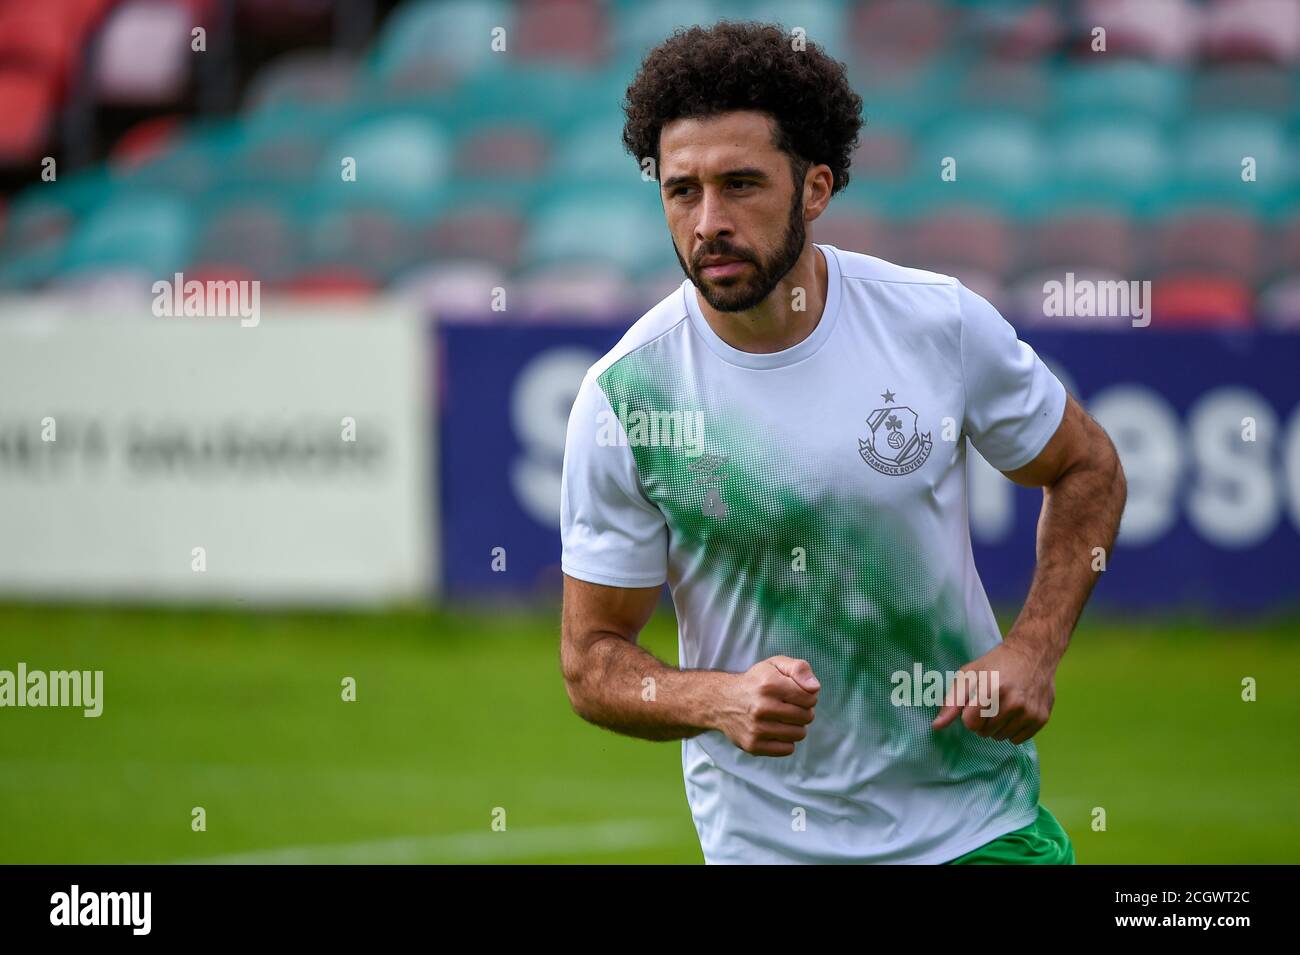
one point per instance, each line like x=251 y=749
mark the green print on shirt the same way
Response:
x=862 y=608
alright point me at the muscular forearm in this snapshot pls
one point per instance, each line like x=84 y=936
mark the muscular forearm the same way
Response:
x=1076 y=529
x=628 y=690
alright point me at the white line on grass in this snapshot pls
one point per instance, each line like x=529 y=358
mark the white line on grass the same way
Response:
x=509 y=845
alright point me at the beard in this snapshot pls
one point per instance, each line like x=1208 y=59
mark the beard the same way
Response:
x=742 y=292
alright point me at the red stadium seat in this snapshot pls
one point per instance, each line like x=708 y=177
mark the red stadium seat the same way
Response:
x=331 y=281
x=1159 y=29
x=1199 y=301
x=493 y=234
x=27 y=101
x=856 y=229
x=518 y=152
x=1219 y=243
x=962 y=237
x=145 y=141
x=1252 y=30
x=896 y=36
x=37 y=38
x=573 y=31
x=1082 y=240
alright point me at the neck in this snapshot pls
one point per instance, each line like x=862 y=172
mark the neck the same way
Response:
x=775 y=324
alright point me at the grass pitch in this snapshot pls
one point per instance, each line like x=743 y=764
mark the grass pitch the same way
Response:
x=462 y=715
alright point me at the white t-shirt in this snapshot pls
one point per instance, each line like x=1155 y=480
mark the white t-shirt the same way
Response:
x=812 y=503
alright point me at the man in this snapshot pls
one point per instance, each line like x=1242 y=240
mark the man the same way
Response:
x=783 y=441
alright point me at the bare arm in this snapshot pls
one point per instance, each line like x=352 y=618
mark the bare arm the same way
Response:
x=1083 y=498
x=614 y=683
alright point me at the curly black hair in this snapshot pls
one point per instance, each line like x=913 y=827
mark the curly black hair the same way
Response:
x=699 y=72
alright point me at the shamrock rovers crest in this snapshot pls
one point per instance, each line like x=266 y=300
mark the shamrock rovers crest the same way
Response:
x=895 y=446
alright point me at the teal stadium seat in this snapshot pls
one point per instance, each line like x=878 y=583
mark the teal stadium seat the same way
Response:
x=428 y=45
x=401 y=156
x=151 y=232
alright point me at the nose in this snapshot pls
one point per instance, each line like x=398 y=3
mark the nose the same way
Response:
x=713 y=222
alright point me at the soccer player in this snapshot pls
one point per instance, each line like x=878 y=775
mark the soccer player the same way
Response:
x=783 y=441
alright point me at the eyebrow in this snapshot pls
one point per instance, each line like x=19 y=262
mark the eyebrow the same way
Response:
x=745 y=172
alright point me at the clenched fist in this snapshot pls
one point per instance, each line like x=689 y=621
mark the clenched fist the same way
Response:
x=767 y=709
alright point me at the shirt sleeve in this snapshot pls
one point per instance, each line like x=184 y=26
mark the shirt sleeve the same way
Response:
x=1014 y=403
x=611 y=533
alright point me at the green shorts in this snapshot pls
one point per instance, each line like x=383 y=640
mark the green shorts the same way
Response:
x=1042 y=842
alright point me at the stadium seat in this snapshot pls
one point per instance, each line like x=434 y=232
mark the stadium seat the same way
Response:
x=255 y=237
x=400 y=157
x=1210 y=241
x=280 y=146
x=311 y=77
x=1197 y=301
x=27 y=101
x=570 y=31
x=488 y=232
x=330 y=281
x=1279 y=304
x=1211 y=151
x=856 y=228
x=37 y=38
x=897 y=36
x=641 y=26
x=1005 y=86
x=103 y=284
x=1165 y=30
x=143 y=55
x=961 y=238
x=1012 y=31
x=1267 y=30
x=460 y=289
x=593 y=227
x=574 y=291
x=824 y=22
x=145 y=141
x=593 y=152
x=152 y=232
x=1112 y=156
x=1152 y=92
x=506 y=151
x=1244 y=87
x=428 y=45
x=885 y=151
x=1079 y=240
x=376 y=241
x=1003 y=153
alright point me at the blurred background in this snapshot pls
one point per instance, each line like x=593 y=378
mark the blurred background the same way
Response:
x=357 y=478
